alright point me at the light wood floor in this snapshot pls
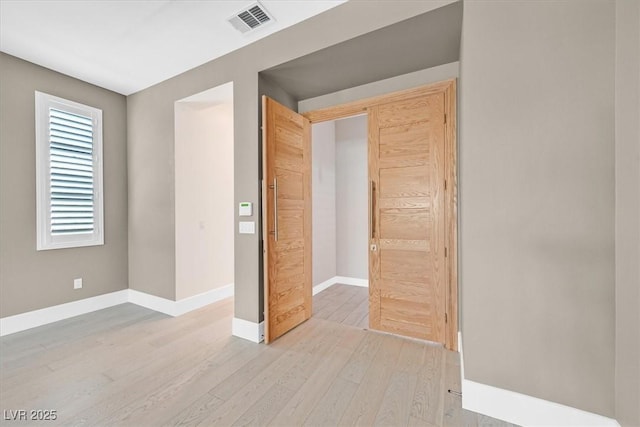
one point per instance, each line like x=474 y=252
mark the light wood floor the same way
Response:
x=344 y=304
x=130 y=366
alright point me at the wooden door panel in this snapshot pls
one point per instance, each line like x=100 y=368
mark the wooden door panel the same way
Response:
x=404 y=244
x=406 y=317
x=405 y=224
x=403 y=290
x=290 y=299
x=289 y=205
x=414 y=110
x=407 y=269
x=290 y=187
x=289 y=151
x=404 y=202
x=290 y=224
x=286 y=284
x=413 y=330
x=405 y=142
x=287 y=218
x=289 y=146
x=405 y=311
x=404 y=265
x=412 y=181
x=289 y=245
x=288 y=133
x=287 y=320
x=288 y=264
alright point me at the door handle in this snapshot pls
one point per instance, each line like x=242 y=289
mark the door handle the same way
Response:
x=372 y=218
x=275 y=208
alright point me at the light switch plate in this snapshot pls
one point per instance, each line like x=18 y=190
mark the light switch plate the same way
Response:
x=247 y=227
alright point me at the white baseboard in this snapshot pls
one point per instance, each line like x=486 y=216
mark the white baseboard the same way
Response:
x=461 y=356
x=324 y=285
x=32 y=319
x=353 y=281
x=342 y=280
x=152 y=302
x=180 y=307
x=35 y=318
x=522 y=409
x=525 y=410
x=248 y=330
x=198 y=301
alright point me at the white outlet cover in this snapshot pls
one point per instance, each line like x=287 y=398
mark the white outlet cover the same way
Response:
x=77 y=283
x=247 y=227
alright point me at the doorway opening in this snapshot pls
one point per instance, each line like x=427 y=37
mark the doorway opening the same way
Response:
x=204 y=199
x=340 y=226
x=412 y=226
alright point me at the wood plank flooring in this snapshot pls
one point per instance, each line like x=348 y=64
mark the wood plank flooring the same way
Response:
x=344 y=304
x=129 y=366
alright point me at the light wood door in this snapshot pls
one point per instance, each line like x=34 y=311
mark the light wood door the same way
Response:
x=407 y=269
x=287 y=218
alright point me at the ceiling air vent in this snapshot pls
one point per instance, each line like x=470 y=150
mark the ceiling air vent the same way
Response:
x=250 y=18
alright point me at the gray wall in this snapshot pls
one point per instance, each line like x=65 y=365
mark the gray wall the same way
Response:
x=627 y=391
x=432 y=38
x=271 y=89
x=382 y=87
x=323 y=200
x=151 y=199
x=29 y=279
x=537 y=199
x=151 y=144
x=352 y=198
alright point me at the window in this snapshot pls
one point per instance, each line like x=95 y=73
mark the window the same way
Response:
x=68 y=173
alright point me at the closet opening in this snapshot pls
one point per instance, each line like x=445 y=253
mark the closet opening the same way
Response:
x=340 y=221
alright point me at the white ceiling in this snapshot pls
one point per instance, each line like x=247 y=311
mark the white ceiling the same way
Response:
x=129 y=45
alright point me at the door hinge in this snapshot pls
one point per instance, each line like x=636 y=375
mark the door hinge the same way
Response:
x=446 y=318
x=445 y=252
x=445 y=184
x=445 y=119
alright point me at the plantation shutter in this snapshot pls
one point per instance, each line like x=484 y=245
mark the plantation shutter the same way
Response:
x=71 y=169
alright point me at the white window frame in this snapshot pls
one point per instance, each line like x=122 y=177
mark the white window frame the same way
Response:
x=45 y=239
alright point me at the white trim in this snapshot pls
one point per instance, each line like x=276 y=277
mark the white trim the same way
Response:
x=324 y=285
x=248 y=330
x=342 y=280
x=522 y=409
x=461 y=356
x=353 y=281
x=180 y=307
x=195 y=302
x=526 y=410
x=32 y=319
x=152 y=302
